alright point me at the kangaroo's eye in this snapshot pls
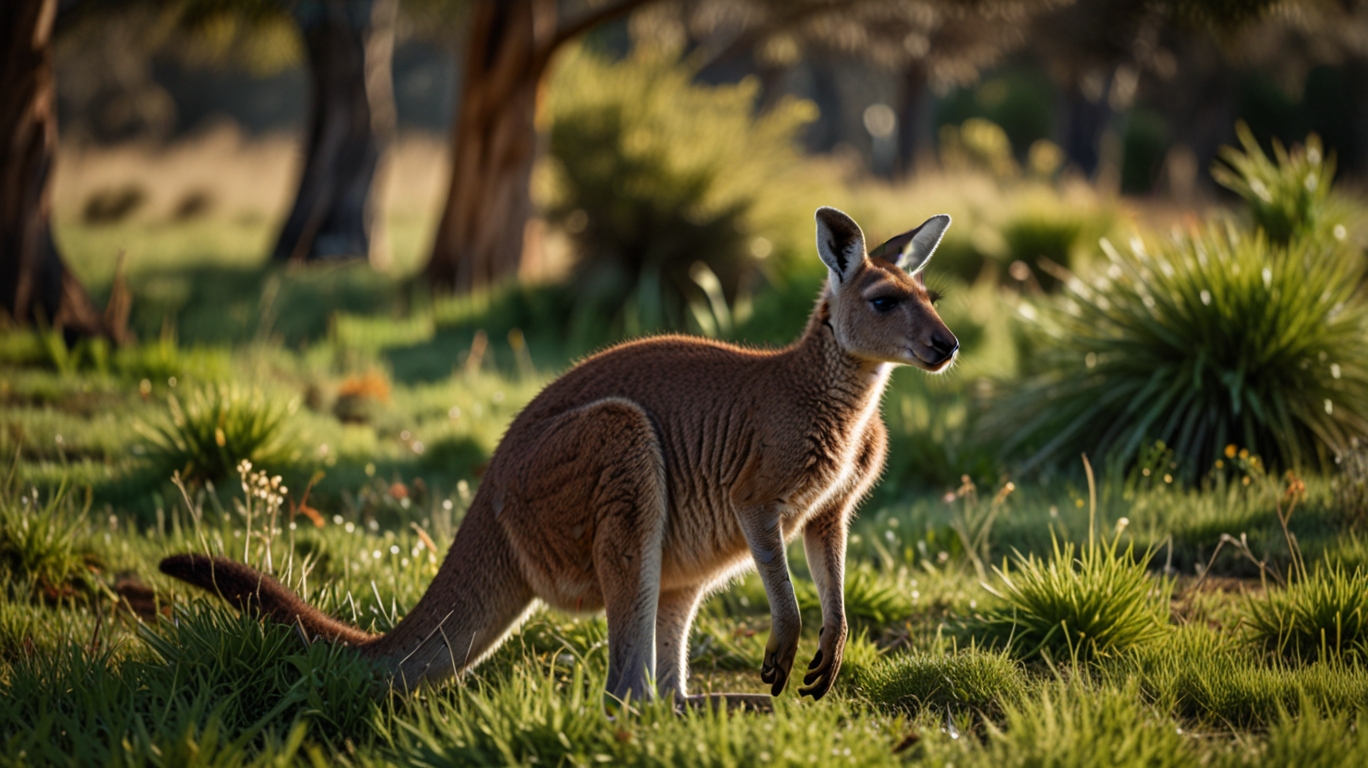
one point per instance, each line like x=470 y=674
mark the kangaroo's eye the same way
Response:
x=934 y=297
x=883 y=303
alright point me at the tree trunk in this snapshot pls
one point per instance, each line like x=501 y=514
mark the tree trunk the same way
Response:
x=481 y=235
x=35 y=284
x=350 y=45
x=914 y=120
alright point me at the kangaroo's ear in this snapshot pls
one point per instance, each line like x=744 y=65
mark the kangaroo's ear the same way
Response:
x=912 y=249
x=840 y=243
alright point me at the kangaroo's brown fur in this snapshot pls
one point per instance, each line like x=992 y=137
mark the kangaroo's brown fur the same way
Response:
x=652 y=473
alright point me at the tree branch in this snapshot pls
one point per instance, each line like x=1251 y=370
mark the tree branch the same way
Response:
x=748 y=39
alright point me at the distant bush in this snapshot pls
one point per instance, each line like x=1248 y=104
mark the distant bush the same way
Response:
x=1288 y=199
x=1211 y=340
x=217 y=428
x=113 y=204
x=655 y=174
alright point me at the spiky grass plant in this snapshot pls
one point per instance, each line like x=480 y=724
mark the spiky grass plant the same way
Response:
x=1092 y=605
x=1201 y=342
x=1320 y=615
x=218 y=427
x=1289 y=196
x=44 y=549
x=969 y=679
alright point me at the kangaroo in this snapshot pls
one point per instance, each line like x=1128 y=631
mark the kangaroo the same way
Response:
x=651 y=474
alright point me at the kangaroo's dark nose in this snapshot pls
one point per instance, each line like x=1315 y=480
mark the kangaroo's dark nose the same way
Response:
x=945 y=345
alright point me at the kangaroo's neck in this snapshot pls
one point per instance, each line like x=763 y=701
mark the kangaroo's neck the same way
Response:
x=845 y=382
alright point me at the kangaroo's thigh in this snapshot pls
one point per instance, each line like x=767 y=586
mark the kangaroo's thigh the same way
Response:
x=588 y=478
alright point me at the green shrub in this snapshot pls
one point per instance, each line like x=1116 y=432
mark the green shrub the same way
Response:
x=971 y=679
x=1092 y=606
x=217 y=428
x=1210 y=340
x=1289 y=199
x=1321 y=615
x=655 y=174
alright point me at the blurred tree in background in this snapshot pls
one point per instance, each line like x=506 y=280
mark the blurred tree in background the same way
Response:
x=484 y=231
x=35 y=284
x=928 y=43
x=348 y=46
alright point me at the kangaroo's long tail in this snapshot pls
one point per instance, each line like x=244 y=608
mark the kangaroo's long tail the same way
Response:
x=245 y=586
x=479 y=594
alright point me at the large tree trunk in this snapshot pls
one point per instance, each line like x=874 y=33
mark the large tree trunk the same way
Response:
x=35 y=284
x=350 y=45
x=485 y=221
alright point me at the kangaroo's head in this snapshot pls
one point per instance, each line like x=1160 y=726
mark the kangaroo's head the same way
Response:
x=880 y=307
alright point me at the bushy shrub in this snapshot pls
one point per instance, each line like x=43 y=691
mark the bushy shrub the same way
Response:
x=1095 y=605
x=1288 y=199
x=655 y=173
x=1206 y=341
x=1323 y=614
x=217 y=428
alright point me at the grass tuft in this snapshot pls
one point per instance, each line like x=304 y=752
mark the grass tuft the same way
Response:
x=218 y=427
x=970 y=679
x=1321 y=616
x=44 y=549
x=1092 y=606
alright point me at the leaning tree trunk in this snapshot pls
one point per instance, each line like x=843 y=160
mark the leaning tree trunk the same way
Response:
x=350 y=45
x=485 y=222
x=35 y=284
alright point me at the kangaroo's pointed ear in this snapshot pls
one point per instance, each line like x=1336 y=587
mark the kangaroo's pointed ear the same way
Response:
x=840 y=243
x=912 y=249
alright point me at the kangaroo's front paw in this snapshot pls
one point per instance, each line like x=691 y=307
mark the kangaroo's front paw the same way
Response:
x=826 y=664
x=779 y=653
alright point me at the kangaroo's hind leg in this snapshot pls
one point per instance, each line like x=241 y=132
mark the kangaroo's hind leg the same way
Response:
x=674 y=615
x=587 y=509
x=629 y=507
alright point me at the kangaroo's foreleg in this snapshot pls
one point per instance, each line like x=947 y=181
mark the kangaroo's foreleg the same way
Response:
x=824 y=542
x=764 y=534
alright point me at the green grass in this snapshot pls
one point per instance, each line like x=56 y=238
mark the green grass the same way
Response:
x=85 y=681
